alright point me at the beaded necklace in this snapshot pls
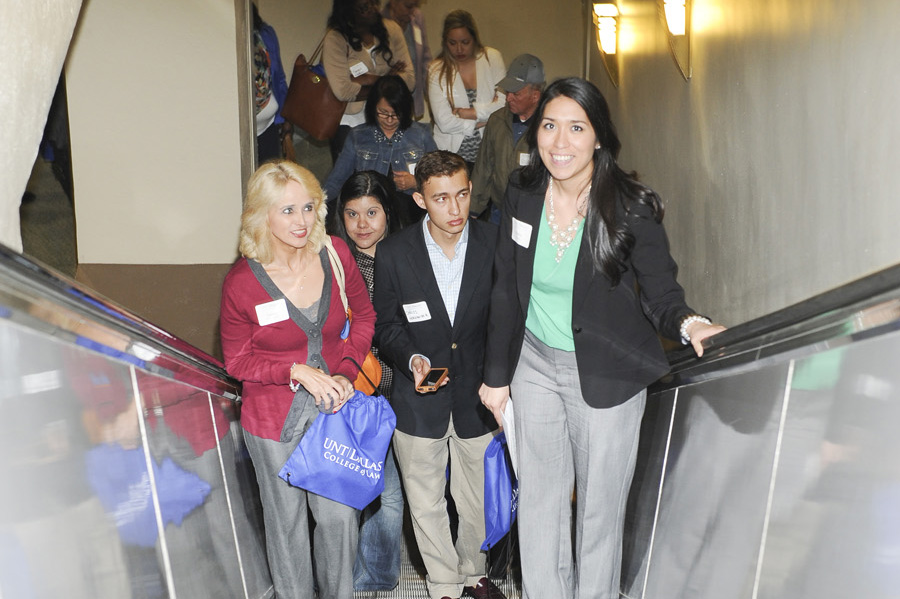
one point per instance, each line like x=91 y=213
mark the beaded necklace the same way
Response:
x=561 y=240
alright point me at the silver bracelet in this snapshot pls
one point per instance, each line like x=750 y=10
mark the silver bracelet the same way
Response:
x=294 y=386
x=688 y=321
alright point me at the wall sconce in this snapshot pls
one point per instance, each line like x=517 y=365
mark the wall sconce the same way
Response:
x=676 y=17
x=606 y=19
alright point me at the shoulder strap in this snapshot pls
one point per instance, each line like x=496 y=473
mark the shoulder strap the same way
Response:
x=315 y=55
x=338 y=269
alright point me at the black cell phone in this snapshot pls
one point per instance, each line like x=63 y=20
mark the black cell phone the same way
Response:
x=433 y=379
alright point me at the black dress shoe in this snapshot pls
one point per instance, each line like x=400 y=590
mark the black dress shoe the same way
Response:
x=485 y=589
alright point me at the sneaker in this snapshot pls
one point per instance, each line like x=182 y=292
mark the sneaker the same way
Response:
x=485 y=589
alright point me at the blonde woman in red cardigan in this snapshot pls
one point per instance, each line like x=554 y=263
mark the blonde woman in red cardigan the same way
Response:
x=281 y=324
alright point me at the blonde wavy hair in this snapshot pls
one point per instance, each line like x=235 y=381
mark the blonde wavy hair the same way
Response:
x=265 y=188
x=446 y=65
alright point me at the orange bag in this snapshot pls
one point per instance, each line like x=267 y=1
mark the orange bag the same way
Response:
x=369 y=376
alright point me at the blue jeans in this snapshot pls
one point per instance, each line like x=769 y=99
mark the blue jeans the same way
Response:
x=377 y=565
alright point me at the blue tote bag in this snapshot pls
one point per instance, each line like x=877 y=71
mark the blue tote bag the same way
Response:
x=341 y=456
x=501 y=492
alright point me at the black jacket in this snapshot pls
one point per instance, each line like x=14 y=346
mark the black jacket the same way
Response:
x=403 y=275
x=614 y=328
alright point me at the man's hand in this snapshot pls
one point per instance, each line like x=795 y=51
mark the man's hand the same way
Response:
x=420 y=368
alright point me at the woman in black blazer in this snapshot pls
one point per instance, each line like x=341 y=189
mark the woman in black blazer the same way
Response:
x=572 y=337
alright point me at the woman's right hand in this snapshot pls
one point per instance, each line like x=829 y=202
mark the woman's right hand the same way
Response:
x=397 y=68
x=404 y=181
x=494 y=399
x=325 y=389
x=466 y=113
x=366 y=79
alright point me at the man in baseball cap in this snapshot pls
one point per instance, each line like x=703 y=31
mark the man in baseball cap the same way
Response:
x=504 y=147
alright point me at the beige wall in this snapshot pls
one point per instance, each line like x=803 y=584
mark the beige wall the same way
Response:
x=154 y=117
x=300 y=26
x=34 y=36
x=778 y=160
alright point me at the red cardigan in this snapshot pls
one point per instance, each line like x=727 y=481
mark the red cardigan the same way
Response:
x=261 y=356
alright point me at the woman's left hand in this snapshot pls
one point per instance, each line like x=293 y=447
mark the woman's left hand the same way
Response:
x=404 y=181
x=698 y=331
x=494 y=399
x=347 y=391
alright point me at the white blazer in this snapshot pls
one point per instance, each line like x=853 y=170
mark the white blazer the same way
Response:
x=449 y=129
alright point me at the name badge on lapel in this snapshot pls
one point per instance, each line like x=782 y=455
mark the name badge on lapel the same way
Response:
x=521 y=233
x=417 y=312
x=272 y=312
x=524 y=158
x=358 y=69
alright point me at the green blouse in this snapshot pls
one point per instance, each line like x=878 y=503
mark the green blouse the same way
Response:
x=550 y=306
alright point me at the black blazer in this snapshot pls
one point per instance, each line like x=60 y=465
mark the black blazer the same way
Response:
x=614 y=328
x=403 y=275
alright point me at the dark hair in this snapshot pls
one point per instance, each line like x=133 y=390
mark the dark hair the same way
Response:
x=360 y=184
x=257 y=20
x=610 y=240
x=439 y=163
x=394 y=90
x=343 y=20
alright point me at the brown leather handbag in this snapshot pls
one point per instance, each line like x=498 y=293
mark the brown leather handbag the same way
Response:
x=310 y=104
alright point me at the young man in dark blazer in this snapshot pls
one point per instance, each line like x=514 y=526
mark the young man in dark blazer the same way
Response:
x=432 y=290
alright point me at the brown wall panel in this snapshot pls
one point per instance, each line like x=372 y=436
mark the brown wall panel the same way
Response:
x=181 y=299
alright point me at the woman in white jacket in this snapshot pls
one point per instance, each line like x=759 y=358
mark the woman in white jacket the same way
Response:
x=462 y=84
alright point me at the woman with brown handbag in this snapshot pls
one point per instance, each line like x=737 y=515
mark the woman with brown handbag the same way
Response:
x=360 y=47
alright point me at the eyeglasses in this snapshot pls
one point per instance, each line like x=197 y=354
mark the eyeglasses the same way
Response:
x=388 y=116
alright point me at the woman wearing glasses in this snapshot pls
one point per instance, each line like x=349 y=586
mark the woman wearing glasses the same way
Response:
x=360 y=47
x=390 y=142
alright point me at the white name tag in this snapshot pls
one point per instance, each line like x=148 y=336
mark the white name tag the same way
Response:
x=272 y=312
x=417 y=312
x=417 y=35
x=521 y=233
x=412 y=167
x=358 y=69
x=524 y=158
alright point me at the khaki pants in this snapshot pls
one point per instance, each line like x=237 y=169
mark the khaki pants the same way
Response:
x=423 y=470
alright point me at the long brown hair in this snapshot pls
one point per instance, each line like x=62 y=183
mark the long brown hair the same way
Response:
x=443 y=61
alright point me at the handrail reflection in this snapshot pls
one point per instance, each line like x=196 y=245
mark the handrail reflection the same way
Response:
x=40 y=298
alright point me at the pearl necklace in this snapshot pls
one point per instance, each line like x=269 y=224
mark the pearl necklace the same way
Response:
x=561 y=240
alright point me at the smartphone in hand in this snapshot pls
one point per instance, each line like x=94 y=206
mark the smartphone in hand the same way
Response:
x=433 y=379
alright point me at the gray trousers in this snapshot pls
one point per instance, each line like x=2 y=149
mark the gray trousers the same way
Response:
x=287 y=528
x=564 y=444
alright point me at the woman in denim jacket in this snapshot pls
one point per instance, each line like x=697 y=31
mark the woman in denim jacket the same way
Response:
x=389 y=142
